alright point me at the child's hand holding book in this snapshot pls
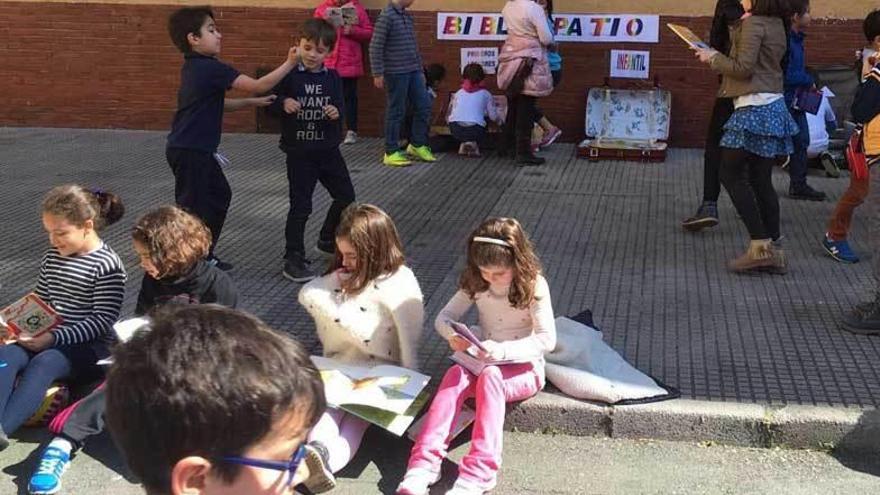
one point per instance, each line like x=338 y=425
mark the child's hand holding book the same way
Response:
x=458 y=344
x=36 y=344
x=492 y=351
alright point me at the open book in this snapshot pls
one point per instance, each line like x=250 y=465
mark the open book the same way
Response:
x=387 y=396
x=688 y=36
x=345 y=15
x=30 y=316
x=469 y=361
x=464 y=332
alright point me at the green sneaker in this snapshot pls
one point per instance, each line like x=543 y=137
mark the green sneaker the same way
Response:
x=397 y=159
x=422 y=153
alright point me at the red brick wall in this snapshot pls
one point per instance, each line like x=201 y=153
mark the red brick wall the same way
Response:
x=104 y=65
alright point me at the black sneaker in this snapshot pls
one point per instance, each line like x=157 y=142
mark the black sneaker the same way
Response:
x=706 y=216
x=326 y=248
x=320 y=478
x=864 y=319
x=829 y=164
x=215 y=261
x=806 y=192
x=529 y=159
x=297 y=269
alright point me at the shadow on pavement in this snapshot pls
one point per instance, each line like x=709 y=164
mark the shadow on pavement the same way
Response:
x=859 y=449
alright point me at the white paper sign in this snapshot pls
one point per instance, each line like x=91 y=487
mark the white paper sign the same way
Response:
x=485 y=56
x=630 y=64
x=582 y=28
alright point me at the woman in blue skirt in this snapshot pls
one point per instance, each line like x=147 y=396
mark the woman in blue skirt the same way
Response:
x=760 y=129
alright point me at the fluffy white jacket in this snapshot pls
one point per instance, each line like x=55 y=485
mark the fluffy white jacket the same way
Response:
x=381 y=325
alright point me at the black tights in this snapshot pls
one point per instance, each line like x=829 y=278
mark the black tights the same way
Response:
x=748 y=180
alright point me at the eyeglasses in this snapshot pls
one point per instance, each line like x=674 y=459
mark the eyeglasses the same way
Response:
x=290 y=466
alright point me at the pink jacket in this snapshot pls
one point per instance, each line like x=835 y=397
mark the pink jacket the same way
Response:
x=515 y=50
x=347 y=58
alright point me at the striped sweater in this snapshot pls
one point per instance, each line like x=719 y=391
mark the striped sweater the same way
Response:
x=87 y=291
x=393 y=48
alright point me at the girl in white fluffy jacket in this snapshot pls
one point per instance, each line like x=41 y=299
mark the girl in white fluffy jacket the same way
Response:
x=368 y=311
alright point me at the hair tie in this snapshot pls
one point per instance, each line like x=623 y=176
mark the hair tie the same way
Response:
x=97 y=191
x=492 y=240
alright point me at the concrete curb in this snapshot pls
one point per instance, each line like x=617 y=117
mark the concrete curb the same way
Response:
x=848 y=429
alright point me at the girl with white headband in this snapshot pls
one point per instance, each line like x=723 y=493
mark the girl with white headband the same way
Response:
x=503 y=279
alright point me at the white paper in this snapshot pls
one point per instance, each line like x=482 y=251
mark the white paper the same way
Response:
x=486 y=56
x=630 y=64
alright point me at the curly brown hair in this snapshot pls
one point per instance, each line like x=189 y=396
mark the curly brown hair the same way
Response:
x=78 y=205
x=175 y=239
x=374 y=236
x=519 y=255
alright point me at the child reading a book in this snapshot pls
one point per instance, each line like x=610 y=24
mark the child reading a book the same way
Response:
x=212 y=401
x=470 y=106
x=503 y=278
x=83 y=280
x=172 y=246
x=368 y=311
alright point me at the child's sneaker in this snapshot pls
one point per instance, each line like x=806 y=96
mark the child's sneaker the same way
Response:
x=839 y=250
x=474 y=151
x=47 y=479
x=397 y=159
x=416 y=481
x=297 y=269
x=829 y=164
x=550 y=137
x=215 y=261
x=422 y=153
x=320 y=478
x=351 y=137
x=465 y=488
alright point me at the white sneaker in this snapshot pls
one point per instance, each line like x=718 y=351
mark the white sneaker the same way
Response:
x=320 y=478
x=416 y=481
x=351 y=137
x=462 y=487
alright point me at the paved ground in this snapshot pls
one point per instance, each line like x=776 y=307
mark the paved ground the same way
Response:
x=580 y=466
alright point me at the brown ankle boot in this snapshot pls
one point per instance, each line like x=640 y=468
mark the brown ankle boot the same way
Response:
x=759 y=256
x=780 y=262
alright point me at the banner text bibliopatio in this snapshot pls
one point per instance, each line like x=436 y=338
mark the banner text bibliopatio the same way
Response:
x=583 y=28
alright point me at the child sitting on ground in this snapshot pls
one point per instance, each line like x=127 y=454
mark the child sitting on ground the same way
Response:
x=368 y=311
x=82 y=279
x=211 y=401
x=172 y=246
x=503 y=278
x=470 y=106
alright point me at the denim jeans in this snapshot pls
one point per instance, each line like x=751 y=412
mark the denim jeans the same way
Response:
x=36 y=373
x=400 y=88
x=797 y=168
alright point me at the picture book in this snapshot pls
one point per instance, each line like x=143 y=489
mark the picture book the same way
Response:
x=464 y=332
x=345 y=15
x=30 y=316
x=469 y=361
x=688 y=36
x=387 y=396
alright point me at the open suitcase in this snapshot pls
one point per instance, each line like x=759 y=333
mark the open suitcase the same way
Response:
x=626 y=124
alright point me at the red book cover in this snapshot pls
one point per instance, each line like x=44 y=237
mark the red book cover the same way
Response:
x=29 y=316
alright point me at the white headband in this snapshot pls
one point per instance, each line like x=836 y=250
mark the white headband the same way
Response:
x=492 y=240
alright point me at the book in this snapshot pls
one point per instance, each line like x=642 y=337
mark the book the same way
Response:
x=387 y=396
x=464 y=332
x=688 y=36
x=125 y=330
x=30 y=316
x=469 y=361
x=807 y=100
x=345 y=15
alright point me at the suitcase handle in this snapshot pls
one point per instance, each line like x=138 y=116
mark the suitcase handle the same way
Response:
x=633 y=84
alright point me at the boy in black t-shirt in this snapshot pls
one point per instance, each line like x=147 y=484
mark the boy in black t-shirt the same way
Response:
x=200 y=185
x=310 y=102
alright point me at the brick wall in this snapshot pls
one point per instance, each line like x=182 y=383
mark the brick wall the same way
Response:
x=112 y=65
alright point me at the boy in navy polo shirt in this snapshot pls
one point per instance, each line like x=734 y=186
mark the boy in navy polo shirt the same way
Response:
x=200 y=185
x=309 y=102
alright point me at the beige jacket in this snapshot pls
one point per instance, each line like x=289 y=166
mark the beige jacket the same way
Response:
x=755 y=62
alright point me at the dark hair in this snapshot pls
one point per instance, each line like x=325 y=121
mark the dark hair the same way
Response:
x=77 y=205
x=374 y=236
x=474 y=73
x=434 y=73
x=318 y=31
x=871 y=26
x=186 y=21
x=176 y=240
x=550 y=9
x=518 y=255
x=205 y=381
x=798 y=7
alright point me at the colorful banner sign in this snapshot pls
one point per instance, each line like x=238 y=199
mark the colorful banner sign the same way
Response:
x=582 y=28
x=630 y=64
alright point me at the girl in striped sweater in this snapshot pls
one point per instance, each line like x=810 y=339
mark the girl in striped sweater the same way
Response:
x=84 y=281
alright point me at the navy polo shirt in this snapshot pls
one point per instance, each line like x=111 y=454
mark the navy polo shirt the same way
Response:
x=199 y=117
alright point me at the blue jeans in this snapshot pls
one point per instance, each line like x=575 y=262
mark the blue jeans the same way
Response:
x=37 y=372
x=400 y=88
x=797 y=168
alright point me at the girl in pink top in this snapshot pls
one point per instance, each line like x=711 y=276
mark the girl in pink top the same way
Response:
x=347 y=57
x=503 y=279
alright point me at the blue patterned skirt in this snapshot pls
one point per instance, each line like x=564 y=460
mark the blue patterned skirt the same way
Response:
x=765 y=130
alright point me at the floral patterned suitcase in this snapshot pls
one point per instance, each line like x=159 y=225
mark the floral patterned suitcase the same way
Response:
x=626 y=124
